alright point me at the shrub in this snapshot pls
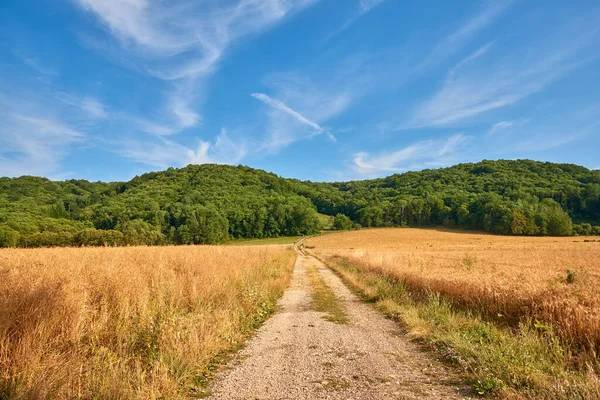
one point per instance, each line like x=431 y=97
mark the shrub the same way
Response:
x=342 y=222
x=8 y=237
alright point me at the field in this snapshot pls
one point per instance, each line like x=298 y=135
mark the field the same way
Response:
x=265 y=241
x=547 y=286
x=129 y=323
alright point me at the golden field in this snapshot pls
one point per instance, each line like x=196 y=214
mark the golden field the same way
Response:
x=130 y=323
x=510 y=279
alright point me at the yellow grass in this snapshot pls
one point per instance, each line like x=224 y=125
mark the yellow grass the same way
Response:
x=508 y=278
x=137 y=322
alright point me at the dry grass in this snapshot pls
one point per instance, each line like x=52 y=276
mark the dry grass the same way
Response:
x=510 y=279
x=130 y=323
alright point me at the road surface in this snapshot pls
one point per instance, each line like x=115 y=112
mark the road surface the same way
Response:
x=297 y=354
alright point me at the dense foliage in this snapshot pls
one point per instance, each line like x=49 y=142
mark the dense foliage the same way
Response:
x=215 y=203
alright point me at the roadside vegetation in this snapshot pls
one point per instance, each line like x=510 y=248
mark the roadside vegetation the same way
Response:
x=520 y=316
x=129 y=323
x=211 y=204
x=324 y=300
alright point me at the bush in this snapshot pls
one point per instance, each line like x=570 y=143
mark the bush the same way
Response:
x=583 y=229
x=342 y=222
x=8 y=237
x=46 y=239
x=98 y=237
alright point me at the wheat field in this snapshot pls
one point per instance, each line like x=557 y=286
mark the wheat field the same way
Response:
x=509 y=279
x=129 y=323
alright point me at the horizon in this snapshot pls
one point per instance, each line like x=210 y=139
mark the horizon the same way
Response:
x=105 y=90
x=302 y=180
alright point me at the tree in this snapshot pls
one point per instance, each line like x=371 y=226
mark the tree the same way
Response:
x=341 y=222
x=8 y=237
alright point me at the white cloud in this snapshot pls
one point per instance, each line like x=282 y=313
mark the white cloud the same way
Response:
x=423 y=154
x=91 y=106
x=301 y=108
x=182 y=42
x=38 y=128
x=500 y=126
x=185 y=38
x=164 y=153
x=476 y=85
x=185 y=117
x=32 y=144
x=471 y=57
x=466 y=32
x=364 y=6
x=285 y=109
x=368 y=5
x=506 y=125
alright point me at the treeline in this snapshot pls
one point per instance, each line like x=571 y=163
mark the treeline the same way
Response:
x=216 y=203
x=505 y=197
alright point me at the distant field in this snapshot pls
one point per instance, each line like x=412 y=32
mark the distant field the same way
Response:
x=267 y=241
x=129 y=323
x=514 y=277
x=325 y=221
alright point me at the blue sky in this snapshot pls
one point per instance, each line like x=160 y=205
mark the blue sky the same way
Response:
x=312 y=89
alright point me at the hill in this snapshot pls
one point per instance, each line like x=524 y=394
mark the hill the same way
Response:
x=214 y=203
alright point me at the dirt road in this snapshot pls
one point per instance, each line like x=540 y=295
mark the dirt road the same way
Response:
x=299 y=355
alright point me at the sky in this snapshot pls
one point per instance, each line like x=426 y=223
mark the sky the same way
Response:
x=321 y=90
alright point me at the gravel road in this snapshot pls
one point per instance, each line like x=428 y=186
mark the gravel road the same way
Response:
x=297 y=354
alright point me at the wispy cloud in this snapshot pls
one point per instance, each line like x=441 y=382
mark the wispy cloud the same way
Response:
x=32 y=144
x=89 y=105
x=164 y=153
x=457 y=40
x=475 y=85
x=181 y=43
x=187 y=38
x=35 y=63
x=300 y=110
x=499 y=126
x=423 y=154
x=507 y=125
x=555 y=137
x=39 y=128
x=302 y=107
x=278 y=105
x=364 y=6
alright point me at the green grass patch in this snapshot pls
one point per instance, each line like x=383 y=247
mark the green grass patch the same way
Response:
x=324 y=300
x=325 y=221
x=265 y=241
x=520 y=362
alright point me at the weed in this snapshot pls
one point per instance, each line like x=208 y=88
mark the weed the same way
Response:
x=488 y=386
x=571 y=276
x=324 y=300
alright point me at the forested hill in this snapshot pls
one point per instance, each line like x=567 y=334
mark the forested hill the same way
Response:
x=216 y=203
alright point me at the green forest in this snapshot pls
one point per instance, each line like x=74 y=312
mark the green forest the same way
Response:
x=209 y=204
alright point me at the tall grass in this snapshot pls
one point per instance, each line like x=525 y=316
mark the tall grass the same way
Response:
x=510 y=279
x=130 y=323
x=506 y=308
x=526 y=361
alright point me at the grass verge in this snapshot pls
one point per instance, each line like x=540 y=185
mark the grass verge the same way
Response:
x=324 y=300
x=527 y=361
